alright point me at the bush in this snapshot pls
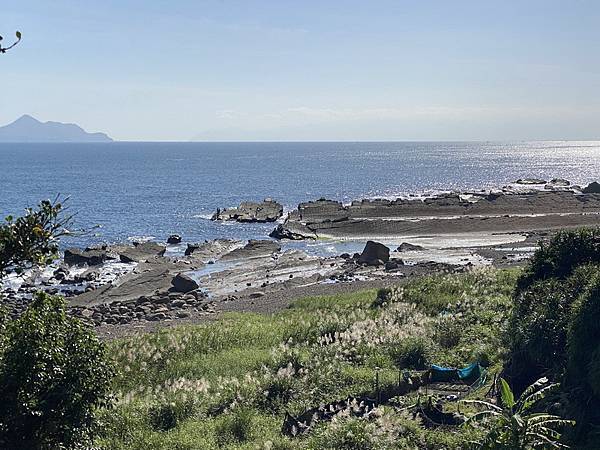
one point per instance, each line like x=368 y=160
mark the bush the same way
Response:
x=235 y=427
x=538 y=331
x=383 y=297
x=411 y=353
x=447 y=332
x=553 y=330
x=54 y=374
x=583 y=367
x=566 y=251
x=544 y=299
x=166 y=416
x=351 y=434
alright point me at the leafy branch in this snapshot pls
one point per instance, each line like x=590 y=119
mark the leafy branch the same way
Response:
x=33 y=239
x=4 y=49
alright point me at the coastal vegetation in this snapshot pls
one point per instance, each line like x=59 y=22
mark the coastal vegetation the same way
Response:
x=54 y=372
x=235 y=383
x=338 y=371
x=231 y=383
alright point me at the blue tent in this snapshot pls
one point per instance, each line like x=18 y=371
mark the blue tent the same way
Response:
x=467 y=374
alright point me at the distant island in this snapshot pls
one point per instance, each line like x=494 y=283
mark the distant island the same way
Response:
x=29 y=129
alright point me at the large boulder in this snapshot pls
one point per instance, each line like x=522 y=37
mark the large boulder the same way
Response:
x=77 y=257
x=374 y=254
x=183 y=283
x=265 y=211
x=592 y=188
x=141 y=252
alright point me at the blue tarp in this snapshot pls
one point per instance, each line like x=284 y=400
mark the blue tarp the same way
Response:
x=466 y=374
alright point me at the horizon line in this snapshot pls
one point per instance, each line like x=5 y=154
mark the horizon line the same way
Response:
x=365 y=141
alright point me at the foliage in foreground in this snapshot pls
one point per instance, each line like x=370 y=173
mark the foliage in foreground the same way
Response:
x=229 y=384
x=554 y=329
x=32 y=239
x=516 y=425
x=54 y=375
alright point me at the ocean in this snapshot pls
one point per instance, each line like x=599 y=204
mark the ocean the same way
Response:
x=125 y=191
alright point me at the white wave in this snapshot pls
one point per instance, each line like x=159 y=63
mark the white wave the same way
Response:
x=206 y=216
x=140 y=238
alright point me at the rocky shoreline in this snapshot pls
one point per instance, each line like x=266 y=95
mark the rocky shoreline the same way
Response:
x=127 y=288
x=509 y=209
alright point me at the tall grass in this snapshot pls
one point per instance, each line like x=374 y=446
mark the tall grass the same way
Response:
x=228 y=384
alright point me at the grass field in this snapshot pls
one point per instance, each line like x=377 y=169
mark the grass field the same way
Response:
x=229 y=384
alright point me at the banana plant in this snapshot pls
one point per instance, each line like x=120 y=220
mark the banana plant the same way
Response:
x=513 y=426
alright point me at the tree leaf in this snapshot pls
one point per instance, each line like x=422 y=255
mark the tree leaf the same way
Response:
x=506 y=393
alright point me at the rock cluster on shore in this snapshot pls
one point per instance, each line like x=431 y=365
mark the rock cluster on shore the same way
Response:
x=558 y=205
x=168 y=305
x=266 y=211
x=122 y=284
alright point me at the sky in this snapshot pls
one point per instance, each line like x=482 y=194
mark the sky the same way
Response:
x=307 y=70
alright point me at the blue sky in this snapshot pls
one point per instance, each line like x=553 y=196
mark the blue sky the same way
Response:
x=307 y=70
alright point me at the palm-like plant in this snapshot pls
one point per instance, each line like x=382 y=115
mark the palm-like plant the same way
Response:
x=514 y=426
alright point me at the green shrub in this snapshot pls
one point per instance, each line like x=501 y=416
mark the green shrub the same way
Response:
x=32 y=239
x=236 y=426
x=543 y=310
x=553 y=330
x=411 y=353
x=583 y=367
x=348 y=434
x=54 y=374
x=566 y=251
x=166 y=416
x=447 y=332
x=382 y=298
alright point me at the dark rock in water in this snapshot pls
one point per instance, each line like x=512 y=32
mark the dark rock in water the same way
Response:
x=141 y=252
x=345 y=256
x=408 y=247
x=530 y=181
x=292 y=231
x=183 y=283
x=191 y=248
x=174 y=239
x=592 y=188
x=559 y=182
x=374 y=254
x=77 y=257
x=266 y=211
